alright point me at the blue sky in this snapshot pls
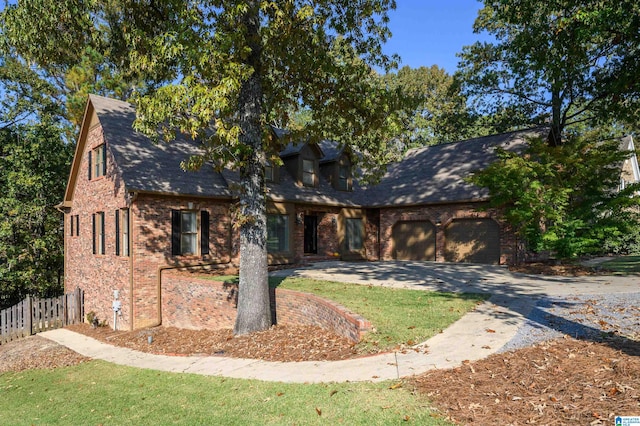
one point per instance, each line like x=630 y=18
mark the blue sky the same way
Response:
x=431 y=32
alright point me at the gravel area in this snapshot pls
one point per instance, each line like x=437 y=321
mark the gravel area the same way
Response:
x=592 y=317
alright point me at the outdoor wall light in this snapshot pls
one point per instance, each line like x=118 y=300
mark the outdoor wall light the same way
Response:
x=299 y=218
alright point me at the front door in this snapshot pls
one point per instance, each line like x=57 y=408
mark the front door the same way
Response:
x=310 y=234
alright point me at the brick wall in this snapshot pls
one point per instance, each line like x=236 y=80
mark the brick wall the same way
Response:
x=443 y=215
x=151 y=249
x=98 y=275
x=328 y=240
x=195 y=303
x=293 y=307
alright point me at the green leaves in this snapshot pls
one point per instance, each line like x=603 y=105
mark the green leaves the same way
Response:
x=33 y=171
x=438 y=111
x=565 y=199
x=569 y=61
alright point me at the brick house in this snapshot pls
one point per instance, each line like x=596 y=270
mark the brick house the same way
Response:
x=132 y=214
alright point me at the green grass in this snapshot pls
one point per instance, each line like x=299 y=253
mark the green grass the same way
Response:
x=97 y=392
x=399 y=316
x=623 y=264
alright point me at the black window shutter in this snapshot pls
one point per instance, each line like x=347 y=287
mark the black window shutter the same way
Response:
x=77 y=225
x=204 y=230
x=117 y=232
x=89 y=161
x=71 y=223
x=93 y=225
x=126 y=226
x=102 y=251
x=104 y=160
x=175 y=232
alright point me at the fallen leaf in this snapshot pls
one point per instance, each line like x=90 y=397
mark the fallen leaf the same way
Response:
x=396 y=386
x=333 y=392
x=279 y=394
x=319 y=411
x=488 y=330
x=406 y=418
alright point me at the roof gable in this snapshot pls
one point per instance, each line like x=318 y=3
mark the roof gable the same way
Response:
x=143 y=165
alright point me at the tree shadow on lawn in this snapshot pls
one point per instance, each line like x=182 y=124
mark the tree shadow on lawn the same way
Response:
x=517 y=295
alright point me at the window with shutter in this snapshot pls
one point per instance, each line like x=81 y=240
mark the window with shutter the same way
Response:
x=184 y=232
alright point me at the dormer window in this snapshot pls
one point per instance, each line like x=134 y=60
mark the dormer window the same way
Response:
x=308 y=172
x=268 y=172
x=344 y=181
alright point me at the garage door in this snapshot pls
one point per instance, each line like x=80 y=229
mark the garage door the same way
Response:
x=473 y=241
x=414 y=240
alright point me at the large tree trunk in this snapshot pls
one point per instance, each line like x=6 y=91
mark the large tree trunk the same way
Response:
x=554 y=139
x=254 y=312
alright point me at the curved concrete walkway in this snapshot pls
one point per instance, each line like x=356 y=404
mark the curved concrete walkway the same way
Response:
x=475 y=336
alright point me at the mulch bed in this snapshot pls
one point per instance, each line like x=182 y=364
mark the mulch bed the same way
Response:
x=279 y=343
x=562 y=382
x=36 y=352
x=554 y=268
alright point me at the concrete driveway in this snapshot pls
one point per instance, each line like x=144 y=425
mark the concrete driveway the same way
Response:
x=459 y=277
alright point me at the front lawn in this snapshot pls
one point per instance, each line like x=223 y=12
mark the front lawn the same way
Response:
x=97 y=392
x=400 y=317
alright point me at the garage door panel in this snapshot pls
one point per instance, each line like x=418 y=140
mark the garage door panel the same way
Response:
x=473 y=241
x=414 y=240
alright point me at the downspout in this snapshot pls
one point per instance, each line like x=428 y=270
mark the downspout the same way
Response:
x=134 y=197
x=159 y=282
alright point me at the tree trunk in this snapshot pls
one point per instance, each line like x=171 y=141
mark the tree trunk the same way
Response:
x=554 y=139
x=254 y=312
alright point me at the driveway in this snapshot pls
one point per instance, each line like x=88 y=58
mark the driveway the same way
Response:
x=523 y=309
x=458 y=277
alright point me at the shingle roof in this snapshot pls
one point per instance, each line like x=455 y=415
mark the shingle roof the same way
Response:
x=152 y=167
x=331 y=150
x=436 y=174
x=427 y=175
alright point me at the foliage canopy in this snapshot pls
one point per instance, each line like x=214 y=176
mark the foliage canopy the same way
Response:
x=565 y=62
x=566 y=199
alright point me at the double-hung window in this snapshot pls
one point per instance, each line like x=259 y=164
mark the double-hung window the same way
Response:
x=277 y=233
x=98 y=233
x=97 y=162
x=185 y=232
x=268 y=172
x=343 y=178
x=308 y=172
x=188 y=232
x=122 y=232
